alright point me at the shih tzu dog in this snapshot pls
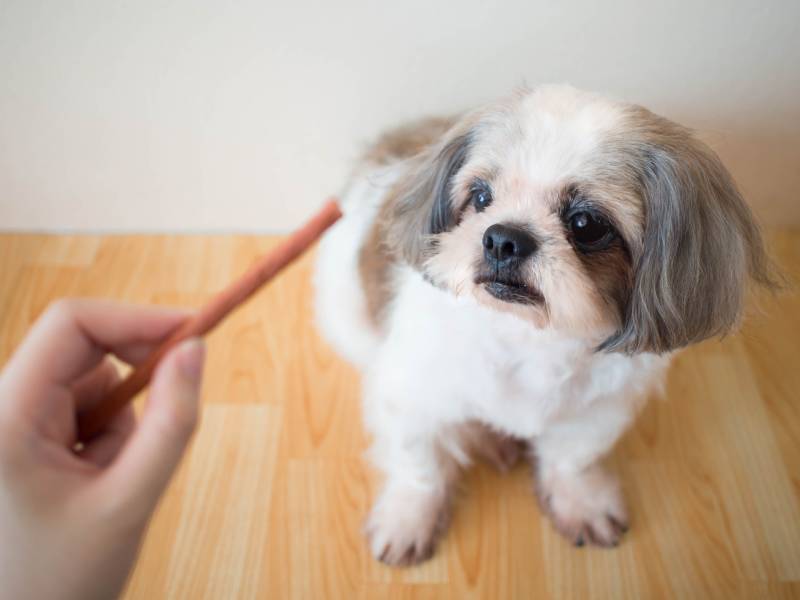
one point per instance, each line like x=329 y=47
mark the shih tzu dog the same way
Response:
x=515 y=281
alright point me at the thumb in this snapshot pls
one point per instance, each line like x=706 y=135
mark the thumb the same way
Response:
x=143 y=469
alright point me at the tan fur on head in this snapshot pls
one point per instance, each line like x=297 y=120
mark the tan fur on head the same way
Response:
x=376 y=258
x=407 y=140
x=684 y=241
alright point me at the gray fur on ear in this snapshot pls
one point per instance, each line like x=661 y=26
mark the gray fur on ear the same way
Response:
x=423 y=204
x=700 y=241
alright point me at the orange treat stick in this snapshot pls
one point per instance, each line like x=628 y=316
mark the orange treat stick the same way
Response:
x=93 y=421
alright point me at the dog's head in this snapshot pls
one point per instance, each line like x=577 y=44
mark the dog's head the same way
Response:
x=586 y=215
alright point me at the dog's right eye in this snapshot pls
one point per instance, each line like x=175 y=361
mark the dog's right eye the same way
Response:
x=480 y=196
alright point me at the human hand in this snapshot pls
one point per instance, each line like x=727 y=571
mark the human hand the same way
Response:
x=71 y=521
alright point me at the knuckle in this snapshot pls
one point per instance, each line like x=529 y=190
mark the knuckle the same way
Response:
x=176 y=422
x=184 y=425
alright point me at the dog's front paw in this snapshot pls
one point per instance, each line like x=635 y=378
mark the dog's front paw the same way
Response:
x=405 y=525
x=586 y=507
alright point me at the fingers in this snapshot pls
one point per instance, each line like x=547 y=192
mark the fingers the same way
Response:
x=73 y=336
x=88 y=391
x=145 y=465
x=104 y=448
x=92 y=387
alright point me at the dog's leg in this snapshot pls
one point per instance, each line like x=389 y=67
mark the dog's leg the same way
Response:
x=419 y=459
x=583 y=501
x=413 y=508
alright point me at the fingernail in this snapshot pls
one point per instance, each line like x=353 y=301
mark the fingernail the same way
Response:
x=191 y=356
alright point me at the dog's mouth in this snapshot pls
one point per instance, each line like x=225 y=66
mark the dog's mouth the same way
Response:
x=510 y=290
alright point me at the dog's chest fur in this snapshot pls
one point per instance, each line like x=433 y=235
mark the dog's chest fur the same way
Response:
x=457 y=360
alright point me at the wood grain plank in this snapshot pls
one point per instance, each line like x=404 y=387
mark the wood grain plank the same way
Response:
x=225 y=525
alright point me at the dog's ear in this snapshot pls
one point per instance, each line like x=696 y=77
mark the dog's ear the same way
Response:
x=700 y=244
x=423 y=205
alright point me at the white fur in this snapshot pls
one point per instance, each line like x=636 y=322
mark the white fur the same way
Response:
x=340 y=306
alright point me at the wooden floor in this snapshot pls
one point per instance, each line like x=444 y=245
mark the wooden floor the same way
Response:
x=270 y=501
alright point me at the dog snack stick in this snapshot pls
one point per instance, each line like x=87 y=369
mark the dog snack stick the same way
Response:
x=92 y=421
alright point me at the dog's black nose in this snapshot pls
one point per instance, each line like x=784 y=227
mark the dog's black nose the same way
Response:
x=506 y=244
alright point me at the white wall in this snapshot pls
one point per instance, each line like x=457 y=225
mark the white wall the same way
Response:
x=211 y=115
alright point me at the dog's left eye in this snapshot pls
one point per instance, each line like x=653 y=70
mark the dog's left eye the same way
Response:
x=590 y=231
x=481 y=197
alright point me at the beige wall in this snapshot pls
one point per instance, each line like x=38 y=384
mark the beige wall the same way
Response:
x=200 y=115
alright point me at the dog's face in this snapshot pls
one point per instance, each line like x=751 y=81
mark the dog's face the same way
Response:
x=589 y=216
